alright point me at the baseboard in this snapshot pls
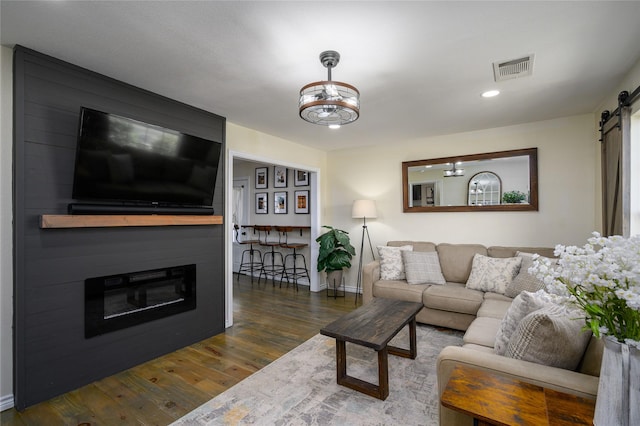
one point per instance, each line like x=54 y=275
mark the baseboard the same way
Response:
x=6 y=402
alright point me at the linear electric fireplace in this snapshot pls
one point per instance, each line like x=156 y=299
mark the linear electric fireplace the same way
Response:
x=115 y=302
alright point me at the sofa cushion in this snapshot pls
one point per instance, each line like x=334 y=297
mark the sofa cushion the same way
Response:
x=439 y=318
x=498 y=251
x=550 y=336
x=494 y=308
x=453 y=297
x=422 y=267
x=417 y=245
x=482 y=331
x=522 y=305
x=391 y=267
x=456 y=259
x=399 y=290
x=524 y=281
x=492 y=274
x=495 y=296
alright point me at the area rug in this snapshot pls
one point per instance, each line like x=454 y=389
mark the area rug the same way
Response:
x=300 y=387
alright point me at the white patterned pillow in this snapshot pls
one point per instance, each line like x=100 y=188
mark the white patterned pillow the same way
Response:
x=391 y=267
x=525 y=303
x=550 y=336
x=422 y=267
x=492 y=274
x=524 y=281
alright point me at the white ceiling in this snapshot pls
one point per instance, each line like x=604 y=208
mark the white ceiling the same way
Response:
x=420 y=65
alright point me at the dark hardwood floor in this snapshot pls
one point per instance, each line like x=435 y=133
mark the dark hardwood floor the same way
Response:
x=268 y=322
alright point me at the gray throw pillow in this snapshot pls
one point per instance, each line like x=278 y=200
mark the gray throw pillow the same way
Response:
x=522 y=305
x=391 y=267
x=422 y=267
x=492 y=274
x=524 y=281
x=550 y=336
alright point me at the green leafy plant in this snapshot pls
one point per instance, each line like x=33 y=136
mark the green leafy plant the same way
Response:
x=335 y=251
x=513 y=197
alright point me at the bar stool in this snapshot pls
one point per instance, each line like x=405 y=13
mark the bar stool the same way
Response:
x=294 y=271
x=252 y=265
x=269 y=269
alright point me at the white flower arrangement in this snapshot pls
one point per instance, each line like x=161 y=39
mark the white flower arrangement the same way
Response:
x=603 y=279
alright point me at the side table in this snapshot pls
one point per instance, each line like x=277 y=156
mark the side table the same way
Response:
x=493 y=399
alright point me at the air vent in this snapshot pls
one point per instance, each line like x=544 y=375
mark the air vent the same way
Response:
x=515 y=68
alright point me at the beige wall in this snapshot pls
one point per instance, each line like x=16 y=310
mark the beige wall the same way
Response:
x=629 y=83
x=242 y=139
x=6 y=233
x=566 y=156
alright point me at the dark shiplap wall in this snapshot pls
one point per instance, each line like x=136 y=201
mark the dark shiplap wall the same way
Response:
x=51 y=354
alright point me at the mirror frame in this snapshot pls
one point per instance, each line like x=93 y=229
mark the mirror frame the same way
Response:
x=532 y=153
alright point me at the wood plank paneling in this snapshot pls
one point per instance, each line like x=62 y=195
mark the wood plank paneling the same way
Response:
x=50 y=265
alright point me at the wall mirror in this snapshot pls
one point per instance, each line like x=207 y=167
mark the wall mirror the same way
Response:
x=493 y=181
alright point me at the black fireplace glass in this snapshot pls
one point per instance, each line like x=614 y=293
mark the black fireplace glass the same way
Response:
x=119 y=301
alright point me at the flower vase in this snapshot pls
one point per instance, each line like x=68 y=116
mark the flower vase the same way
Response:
x=634 y=385
x=618 y=400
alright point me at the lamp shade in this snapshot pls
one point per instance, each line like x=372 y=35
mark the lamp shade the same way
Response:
x=364 y=209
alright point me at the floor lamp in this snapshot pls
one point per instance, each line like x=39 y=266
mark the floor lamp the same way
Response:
x=363 y=209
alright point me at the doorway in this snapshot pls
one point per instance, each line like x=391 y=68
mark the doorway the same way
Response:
x=314 y=218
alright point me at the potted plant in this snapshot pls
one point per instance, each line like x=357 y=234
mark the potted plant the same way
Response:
x=513 y=197
x=335 y=254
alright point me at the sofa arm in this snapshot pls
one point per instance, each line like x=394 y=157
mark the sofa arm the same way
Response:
x=558 y=379
x=370 y=274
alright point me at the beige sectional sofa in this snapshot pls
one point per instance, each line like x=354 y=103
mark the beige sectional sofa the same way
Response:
x=479 y=314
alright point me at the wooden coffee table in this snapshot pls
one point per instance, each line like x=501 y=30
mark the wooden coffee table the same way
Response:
x=373 y=325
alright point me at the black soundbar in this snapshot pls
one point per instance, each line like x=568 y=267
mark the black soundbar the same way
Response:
x=82 y=208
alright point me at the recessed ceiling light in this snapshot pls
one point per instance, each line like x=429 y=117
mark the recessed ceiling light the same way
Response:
x=490 y=93
x=334 y=126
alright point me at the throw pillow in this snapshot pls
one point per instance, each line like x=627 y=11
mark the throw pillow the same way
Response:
x=391 y=267
x=422 y=267
x=550 y=336
x=492 y=273
x=524 y=281
x=525 y=303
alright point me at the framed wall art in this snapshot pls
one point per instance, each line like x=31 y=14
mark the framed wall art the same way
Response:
x=262 y=203
x=302 y=202
x=279 y=177
x=262 y=180
x=301 y=178
x=280 y=202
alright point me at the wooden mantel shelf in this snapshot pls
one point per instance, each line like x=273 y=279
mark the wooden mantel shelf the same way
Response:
x=103 y=221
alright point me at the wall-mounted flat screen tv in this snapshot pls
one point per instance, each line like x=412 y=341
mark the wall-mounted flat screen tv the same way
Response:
x=122 y=160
